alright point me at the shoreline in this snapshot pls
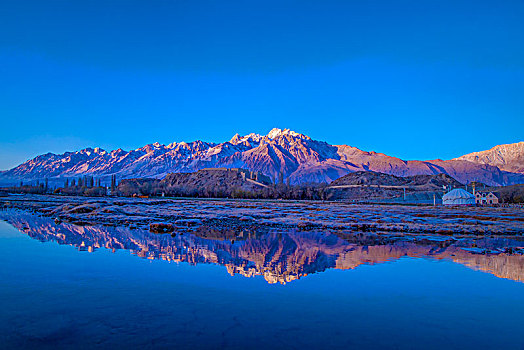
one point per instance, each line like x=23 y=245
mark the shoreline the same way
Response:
x=279 y=255
x=186 y=214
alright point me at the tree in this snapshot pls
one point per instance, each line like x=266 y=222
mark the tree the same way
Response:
x=113 y=184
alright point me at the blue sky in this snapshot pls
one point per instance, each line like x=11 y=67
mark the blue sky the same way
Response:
x=412 y=79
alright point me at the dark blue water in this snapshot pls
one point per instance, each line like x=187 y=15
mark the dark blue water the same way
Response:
x=83 y=293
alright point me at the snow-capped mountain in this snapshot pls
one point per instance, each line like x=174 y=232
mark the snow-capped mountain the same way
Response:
x=508 y=157
x=295 y=155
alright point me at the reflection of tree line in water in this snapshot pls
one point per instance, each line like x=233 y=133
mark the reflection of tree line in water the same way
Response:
x=278 y=256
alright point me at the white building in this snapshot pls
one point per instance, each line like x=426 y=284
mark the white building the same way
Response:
x=458 y=196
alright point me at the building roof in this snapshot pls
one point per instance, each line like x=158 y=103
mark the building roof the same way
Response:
x=457 y=193
x=458 y=196
x=487 y=194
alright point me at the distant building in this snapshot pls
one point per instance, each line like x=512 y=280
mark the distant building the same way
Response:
x=258 y=176
x=458 y=196
x=486 y=198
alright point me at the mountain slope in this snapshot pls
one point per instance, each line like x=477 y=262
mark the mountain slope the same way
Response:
x=424 y=182
x=508 y=157
x=370 y=185
x=294 y=155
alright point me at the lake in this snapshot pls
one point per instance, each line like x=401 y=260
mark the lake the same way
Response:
x=67 y=286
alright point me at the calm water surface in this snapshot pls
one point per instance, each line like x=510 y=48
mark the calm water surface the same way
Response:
x=278 y=290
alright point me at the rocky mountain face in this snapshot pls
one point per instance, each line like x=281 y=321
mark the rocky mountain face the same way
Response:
x=506 y=157
x=294 y=155
x=207 y=182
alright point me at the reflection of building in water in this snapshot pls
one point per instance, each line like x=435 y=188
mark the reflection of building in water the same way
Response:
x=278 y=257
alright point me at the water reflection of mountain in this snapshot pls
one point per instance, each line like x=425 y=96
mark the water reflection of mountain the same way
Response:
x=279 y=257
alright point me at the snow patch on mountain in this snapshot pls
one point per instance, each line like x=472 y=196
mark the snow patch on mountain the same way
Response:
x=276 y=132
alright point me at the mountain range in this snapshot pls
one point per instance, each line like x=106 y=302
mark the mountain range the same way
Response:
x=280 y=153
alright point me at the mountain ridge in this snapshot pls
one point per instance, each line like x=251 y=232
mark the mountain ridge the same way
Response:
x=508 y=157
x=282 y=153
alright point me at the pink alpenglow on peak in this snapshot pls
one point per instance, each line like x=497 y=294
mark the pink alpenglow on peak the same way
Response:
x=508 y=157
